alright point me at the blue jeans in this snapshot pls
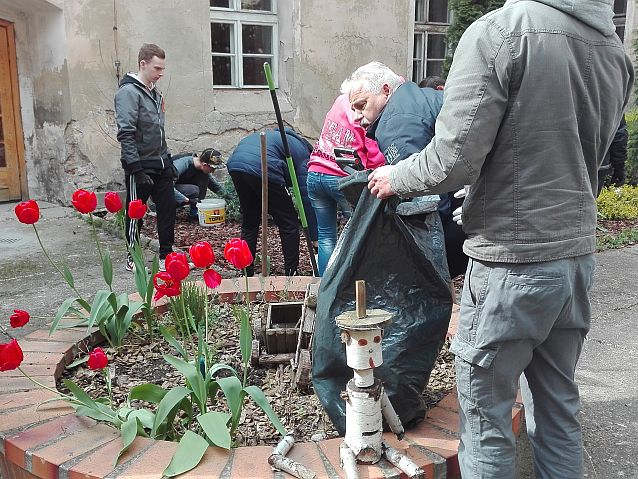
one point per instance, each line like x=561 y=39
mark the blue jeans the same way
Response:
x=528 y=321
x=325 y=196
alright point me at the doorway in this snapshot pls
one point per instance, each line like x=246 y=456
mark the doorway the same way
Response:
x=12 y=179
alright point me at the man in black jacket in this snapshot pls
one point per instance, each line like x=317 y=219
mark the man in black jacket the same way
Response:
x=612 y=170
x=139 y=111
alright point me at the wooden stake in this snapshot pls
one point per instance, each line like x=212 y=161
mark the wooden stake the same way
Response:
x=265 y=267
x=360 y=289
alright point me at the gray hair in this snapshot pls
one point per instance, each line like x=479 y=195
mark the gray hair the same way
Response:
x=371 y=77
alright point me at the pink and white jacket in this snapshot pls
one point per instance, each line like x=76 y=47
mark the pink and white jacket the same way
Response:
x=340 y=131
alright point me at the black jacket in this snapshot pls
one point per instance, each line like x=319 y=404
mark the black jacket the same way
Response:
x=247 y=157
x=140 y=127
x=406 y=124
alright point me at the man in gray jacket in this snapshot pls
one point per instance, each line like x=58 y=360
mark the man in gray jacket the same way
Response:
x=149 y=172
x=532 y=102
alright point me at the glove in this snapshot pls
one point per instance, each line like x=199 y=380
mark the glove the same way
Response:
x=142 y=178
x=458 y=213
x=618 y=177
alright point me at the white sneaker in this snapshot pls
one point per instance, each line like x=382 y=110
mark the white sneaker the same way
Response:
x=162 y=265
x=130 y=265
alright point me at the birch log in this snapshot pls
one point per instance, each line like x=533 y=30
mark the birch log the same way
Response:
x=348 y=462
x=404 y=463
x=279 y=461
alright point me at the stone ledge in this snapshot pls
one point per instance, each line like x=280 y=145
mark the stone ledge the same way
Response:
x=50 y=442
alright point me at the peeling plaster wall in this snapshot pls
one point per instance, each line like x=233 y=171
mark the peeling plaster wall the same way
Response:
x=333 y=38
x=68 y=76
x=197 y=116
x=43 y=83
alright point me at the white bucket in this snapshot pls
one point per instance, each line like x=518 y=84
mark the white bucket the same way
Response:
x=211 y=212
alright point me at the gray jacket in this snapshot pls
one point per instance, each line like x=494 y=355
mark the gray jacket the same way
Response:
x=140 y=127
x=534 y=97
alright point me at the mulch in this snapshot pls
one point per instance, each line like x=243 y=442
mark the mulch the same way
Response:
x=188 y=232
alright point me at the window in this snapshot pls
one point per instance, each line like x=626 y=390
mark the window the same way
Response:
x=620 y=17
x=243 y=35
x=431 y=19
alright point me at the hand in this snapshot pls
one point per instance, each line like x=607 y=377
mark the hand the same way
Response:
x=379 y=182
x=458 y=212
x=142 y=178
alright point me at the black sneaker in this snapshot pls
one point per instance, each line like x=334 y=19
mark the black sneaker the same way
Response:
x=130 y=265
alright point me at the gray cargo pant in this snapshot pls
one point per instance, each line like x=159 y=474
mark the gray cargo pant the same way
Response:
x=528 y=321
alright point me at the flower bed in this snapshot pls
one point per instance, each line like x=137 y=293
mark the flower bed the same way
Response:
x=49 y=441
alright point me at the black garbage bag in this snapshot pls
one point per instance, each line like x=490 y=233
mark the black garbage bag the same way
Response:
x=398 y=249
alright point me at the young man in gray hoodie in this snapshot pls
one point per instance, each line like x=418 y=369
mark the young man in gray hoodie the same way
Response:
x=532 y=102
x=149 y=171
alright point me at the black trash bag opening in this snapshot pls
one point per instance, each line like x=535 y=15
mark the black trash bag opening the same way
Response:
x=402 y=260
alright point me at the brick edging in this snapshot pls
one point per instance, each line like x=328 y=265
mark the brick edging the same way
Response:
x=49 y=441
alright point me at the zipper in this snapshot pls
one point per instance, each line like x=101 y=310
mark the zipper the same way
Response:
x=158 y=106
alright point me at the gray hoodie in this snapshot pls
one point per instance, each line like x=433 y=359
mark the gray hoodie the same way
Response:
x=533 y=99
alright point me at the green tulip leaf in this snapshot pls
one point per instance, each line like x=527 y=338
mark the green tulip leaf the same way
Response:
x=147 y=392
x=215 y=426
x=233 y=392
x=261 y=401
x=219 y=366
x=79 y=394
x=189 y=452
x=68 y=277
x=99 y=307
x=82 y=410
x=129 y=433
x=145 y=419
x=245 y=336
x=62 y=310
x=192 y=375
x=167 y=404
x=170 y=339
x=107 y=268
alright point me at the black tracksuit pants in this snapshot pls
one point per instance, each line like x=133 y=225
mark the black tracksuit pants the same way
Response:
x=280 y=207
x=162 y=193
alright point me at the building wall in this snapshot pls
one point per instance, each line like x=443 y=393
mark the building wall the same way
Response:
x=44 y=90
x=69 y=51
x=333 y=38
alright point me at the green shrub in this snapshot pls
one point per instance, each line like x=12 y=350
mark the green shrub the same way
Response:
x=618 y=203
x=188 y=311
x=631 y=166
x=233 y=211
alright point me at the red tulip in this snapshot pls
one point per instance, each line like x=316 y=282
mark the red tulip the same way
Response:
x=19 y=318
x=84 y=201
x=97 y=359
x=10 y=355
x=166 y=285
x=177 y=266
x=136 y=209
x=112 y=202
x=28 y=212
x=238 y=253
x=202 y=254
x=212 y=278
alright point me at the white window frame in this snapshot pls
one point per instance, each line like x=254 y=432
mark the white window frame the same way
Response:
x=422 y=29
x=238 y=18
